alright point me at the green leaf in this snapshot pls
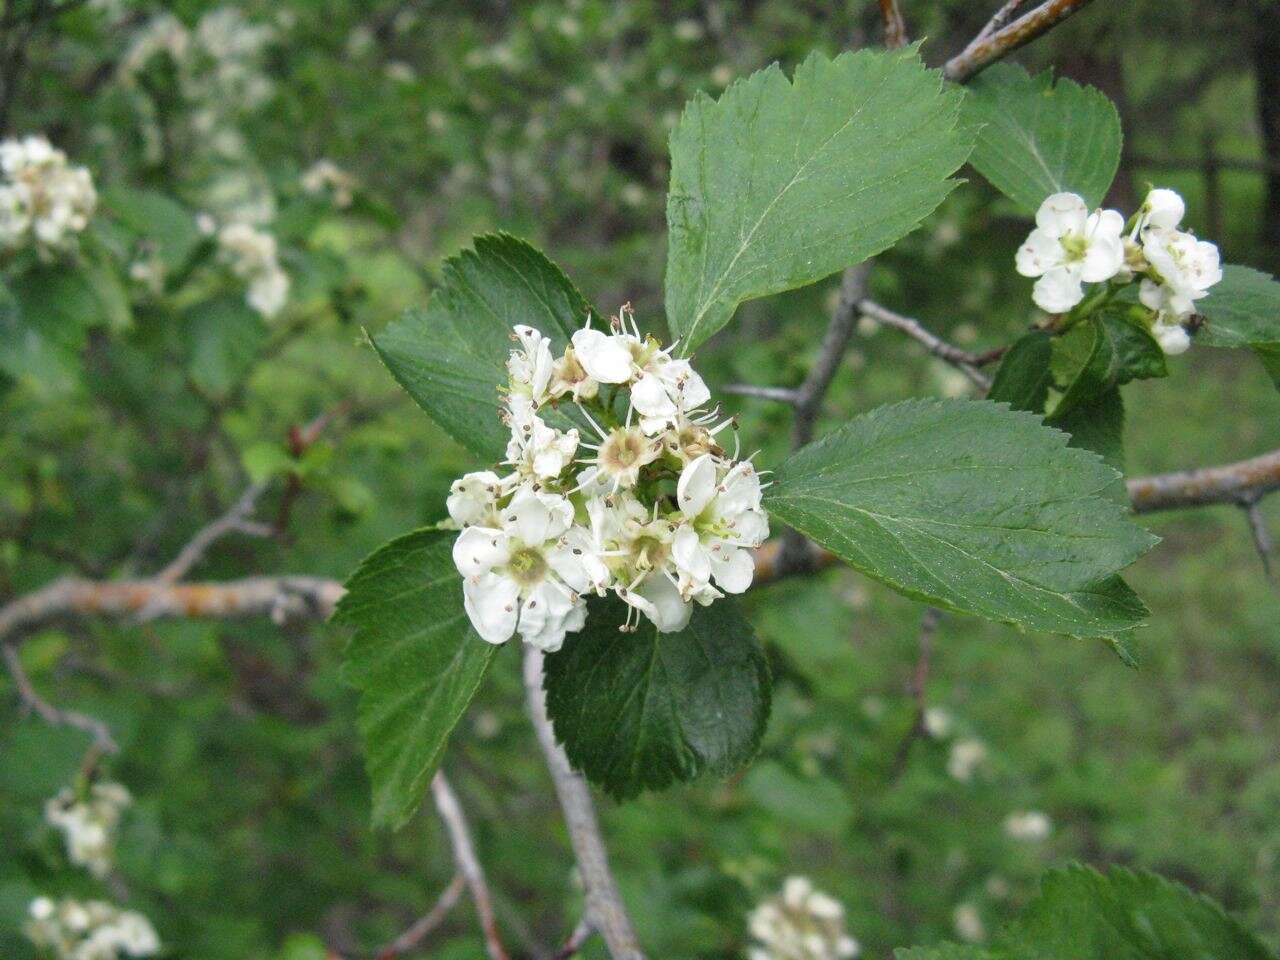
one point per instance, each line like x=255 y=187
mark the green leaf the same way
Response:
x=1104 y=351
x=1081 y=914
x=26 y=355
x=415 y=660
x=944 y=951
x=1243 y=310
x=641 y=710
x=972 y=507
x=224 y=337
x=778 y=184
x=1023 y=379
x=451 y=356
x=1098 y=425
x=1039 y=137
x=156 y=219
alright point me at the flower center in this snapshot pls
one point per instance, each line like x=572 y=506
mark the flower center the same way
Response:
x=1076 y=246
x=624 y=452
x=527 y=566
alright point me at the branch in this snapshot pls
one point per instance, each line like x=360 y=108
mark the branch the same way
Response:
x=1000 y=18
x=809 y=396
x=605 y=909
x=235 y=520
x=50 y=714
x=1261 y=538
x=986 y=48
x=929 y=621
x=895 y=28
x=577 y=940
x=781 y=394
x=464 y=854
x=424 y=925
x=963 y=360
x=1242 y=483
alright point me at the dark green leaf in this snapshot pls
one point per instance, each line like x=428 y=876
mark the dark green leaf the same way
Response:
x=415 y=660
x=944 y=951
x=780 y=183
x=973 y=507
x=638 y=711
x=451 y=356
x=1107 y=350
x=156 y=220
x=225 y=336
x=1039 y=137
x=1243 y=310
x=1097 y=424
x=1023 y=379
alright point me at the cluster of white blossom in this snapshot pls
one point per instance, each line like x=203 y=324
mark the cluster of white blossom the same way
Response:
x=252 y=256
x=1071 y=246
x=1030 y=825
x=801 y=923
x=89 y=823
x=43 y=200
x=966 y=758
x=326 y=177
x=648 y=504
x=89 y=930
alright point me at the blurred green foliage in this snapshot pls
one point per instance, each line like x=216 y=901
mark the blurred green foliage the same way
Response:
x=143 y=420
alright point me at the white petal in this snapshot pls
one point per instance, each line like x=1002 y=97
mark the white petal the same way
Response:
x=1151 y=294
x=478 y=549
x=1102 y=260
x=689 y=554
x=1038 y=253
x=1173 y=339
x=527 y=517
x=697 y=485
x=689 y=389
x=1163 y=208
x=1062 y=213
x=649 y=396
x=1058 y=290
x=605 y=358
x=662 y=604
x=733 y=568
x=491 y=603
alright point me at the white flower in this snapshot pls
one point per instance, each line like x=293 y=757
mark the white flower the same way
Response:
x=637 y=548
x=326 y=176
x=622 y=453
x=1070 y=246
x=268 y=291
x=530 y=367
x=473 y=499
x=968 y=923
x=251 y=254
x=1028 y=825
x=966 y=757
x=605 y=357
x=528 y=574
x=724 y=522
x=41 y=908
x=937 y=722
x=1162 y=208
x=42 y=199
x=538 y=450
x=88 y=825
x=801 y=923
x=1184 y=266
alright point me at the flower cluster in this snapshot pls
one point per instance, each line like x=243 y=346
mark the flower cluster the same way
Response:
x=89 y=823
x=1072 y=246
x=326 y=177
x=614 y=481
x=252 y=256
x=43 y=199
x=90 y=930
x=1028 y=825
x=801 y=923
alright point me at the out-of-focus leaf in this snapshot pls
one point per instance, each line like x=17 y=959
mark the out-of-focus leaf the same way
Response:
x=225 y=336
x=1243 y=310
x=1023 y=379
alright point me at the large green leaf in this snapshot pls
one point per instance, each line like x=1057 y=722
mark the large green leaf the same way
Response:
x=224 y=336
x=27 y=355
x=1038 y=137
x=778 y=184
x=415 y=660
x=1081 y=914
x=451 y=356
x=637 y=711
x=972 y=507
x=1084 y=915
x=1243 y=310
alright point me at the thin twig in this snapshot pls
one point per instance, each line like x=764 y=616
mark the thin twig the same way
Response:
x=1237 y=482
x=577 y=940
x=895 y=28
x=235 y=520
x=983 y=51
x=1000 y=18
x=781 y=394
x=605 y=909
x=1261 y=536
x=962 y=360
x=421 y=928
x=464 y=855
x=929 y=621
x=56 y=716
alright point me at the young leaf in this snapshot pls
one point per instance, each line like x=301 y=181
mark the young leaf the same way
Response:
x=637 y=711
x=451 y=356
x=778 y=184
x=1081 y=914
x=1023 y=379
x=1039 y=137
x=415 y=660
x=972 y=507
x=1243 y=310
x=1100 y=353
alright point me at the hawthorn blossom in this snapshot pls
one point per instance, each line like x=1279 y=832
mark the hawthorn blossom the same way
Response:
x=44 y=201
x=800 y=923
x=967 y=757
x=90 y=930
x=528 y=574
x=88 y=824
x=326 y=177
x=252 y=255
x=1028 y=825
x=1070 y=247
x=639 y=499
